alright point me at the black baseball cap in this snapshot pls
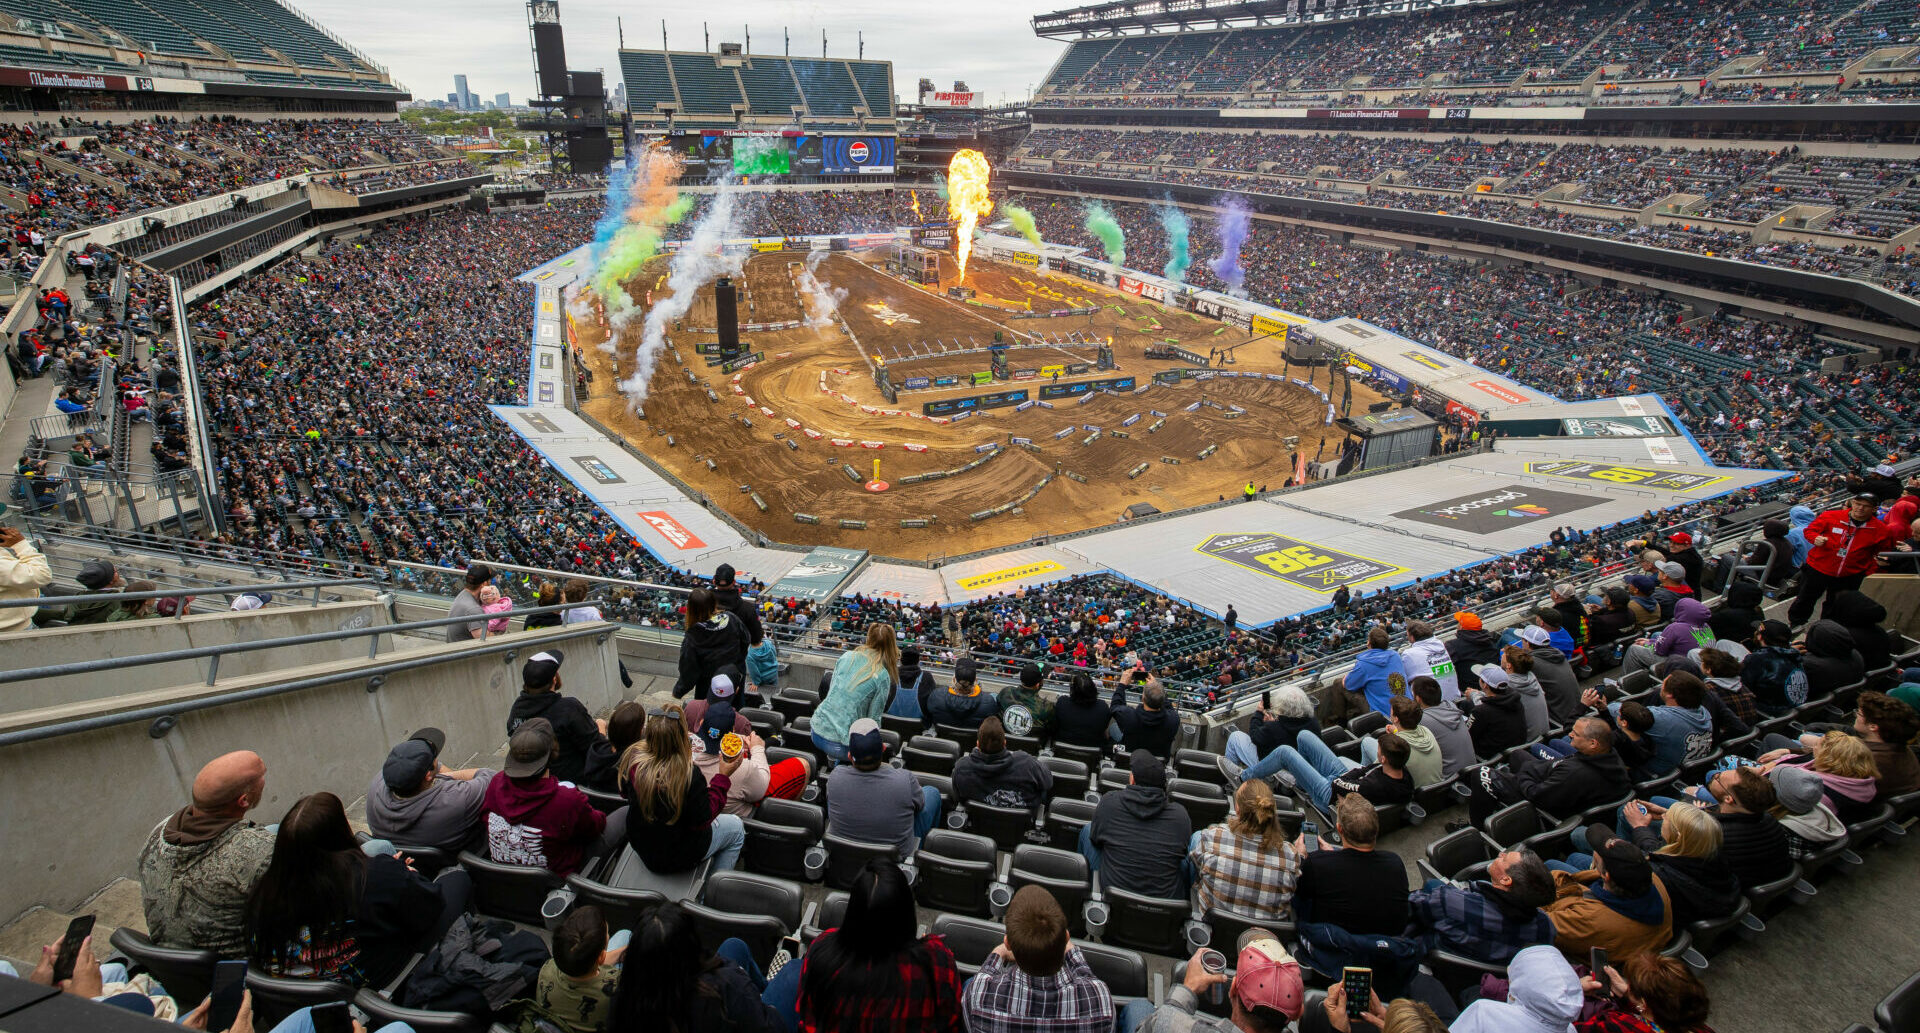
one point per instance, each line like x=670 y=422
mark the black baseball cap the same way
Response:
x=409 y=762
x=723 y=574
x=1626 y=864
x=530 y=749
x=1147 y=770
x=541 y=667
x=1030 y=675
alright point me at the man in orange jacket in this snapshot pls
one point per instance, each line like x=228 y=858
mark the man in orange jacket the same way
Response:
x=1845 y=542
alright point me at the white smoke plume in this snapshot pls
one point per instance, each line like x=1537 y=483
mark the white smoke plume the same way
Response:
x=822 y=300
x=699 y=261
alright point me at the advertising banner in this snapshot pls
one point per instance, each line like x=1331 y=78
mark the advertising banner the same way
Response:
x=1497 y=510
x=1315 y=568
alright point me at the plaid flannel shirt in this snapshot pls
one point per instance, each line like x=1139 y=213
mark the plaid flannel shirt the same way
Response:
x=928 y=1001
x=1469 y=922
x=1004 y=999
x=1239 y=873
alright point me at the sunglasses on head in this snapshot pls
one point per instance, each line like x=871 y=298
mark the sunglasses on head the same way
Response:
x=663 y=712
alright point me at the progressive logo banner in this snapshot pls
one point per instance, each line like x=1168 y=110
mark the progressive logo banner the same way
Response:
x=1315 y=568
x=1498 y=509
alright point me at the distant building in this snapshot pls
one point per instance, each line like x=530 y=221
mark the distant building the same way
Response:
x=463 y=98
x=502 y=101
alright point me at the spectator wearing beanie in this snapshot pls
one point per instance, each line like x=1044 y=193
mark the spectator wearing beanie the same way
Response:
x=1082 y=718
x=993 y=774
x=1036 y=979
x=1802 y=811
x=1471 y=647
x=962 y=704
x=1138 y=838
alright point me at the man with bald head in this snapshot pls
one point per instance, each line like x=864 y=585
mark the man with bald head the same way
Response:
x=199 y=864
x=1562 y=778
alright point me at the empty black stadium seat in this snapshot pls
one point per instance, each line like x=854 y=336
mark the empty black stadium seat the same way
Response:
x=964 y=737
x=1006 y=826
x=1226 y=925
x=621 y=906
x=510 y=891
x=1899 y=1011
x=955 y=869
x=1124 y=972
x=1065 y=819
x=382 y=1012
x=930 y=754
x=828 y=914
x=778 y=836
x=1145 y=923
x=757 y=909
x=904 y=727
x=1091 y=756
x=766 y=722
x=1064 y=873
x=845 y=858
x=1070 y=777
x=792 y=703
x=1462 y=855
x=1206 y=803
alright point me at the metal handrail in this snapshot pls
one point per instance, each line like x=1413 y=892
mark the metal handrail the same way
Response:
x=375 y=675
x=52 y=601
x=215 y=652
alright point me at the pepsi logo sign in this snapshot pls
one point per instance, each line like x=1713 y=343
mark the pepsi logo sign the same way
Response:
x=857 y=152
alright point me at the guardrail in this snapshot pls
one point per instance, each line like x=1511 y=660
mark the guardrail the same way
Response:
x=283 y=587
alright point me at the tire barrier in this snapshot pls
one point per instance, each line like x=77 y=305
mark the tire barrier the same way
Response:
x=1232 y=415
x=992 y=449
x=914 y=448
x=842 y=442
x=746 y=422
x=746 y=489
x=1207 y=451
x=640 y=411
x=853 y=473
x=853 y=525
x=1070 y=475
x=917 y=522
x=670 y=441
x=805 y=518
x=1156 y=425
x=1020 y=440
x=1118 y=434
x=1088 y=397
x=873 y=444
x=758 y=501
x=1170 y=461
x=1091 y=427
x=1063 y=433
x=1014 y=506
x=1142 y=389
x=1131 y=420
x=988 y=447
x=1023 y=407
x=812 y=434
x=751 y=404
x=791 y=422
x=1195 y=407
x=1137 y=471
x=1156 y=412
x=763 y=409
x=1044 y=405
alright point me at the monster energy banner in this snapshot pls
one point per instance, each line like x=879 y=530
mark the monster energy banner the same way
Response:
x=731 y=365
x=1315 y=568
x=817 y=576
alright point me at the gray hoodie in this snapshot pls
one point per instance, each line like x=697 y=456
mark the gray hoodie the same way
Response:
x=1533 y=702
x=1559 y=683
x=1449 y=728
x=1543 y=996
x=445 y=816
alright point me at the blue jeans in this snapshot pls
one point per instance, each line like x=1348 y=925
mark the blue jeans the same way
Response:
x=729 y=838
x=835 y=751
x=1573 y=865
x=782 y=995
x=1312 y=765
x=302 y=1022
x=929 y=815
x=1133 y=1016
x=1087 y=849
x=906 y=703
x=1620 y=826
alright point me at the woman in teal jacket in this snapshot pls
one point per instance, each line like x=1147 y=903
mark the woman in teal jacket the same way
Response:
x=862 y=681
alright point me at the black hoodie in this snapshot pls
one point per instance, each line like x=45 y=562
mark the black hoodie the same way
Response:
x=1082 y=722
x=719 y=641
x=1143 y=729
x=1499 y=722
x=1734 y=620
x=1862 y=617
x=1780 y=565
x=585 y=756
x=1698 y=887
x=1006 y=778
x=1831 y=661
x=1142 y=838
x=729 y=600
x=1567 y=786
x=1269 y=732
x=1470 y=649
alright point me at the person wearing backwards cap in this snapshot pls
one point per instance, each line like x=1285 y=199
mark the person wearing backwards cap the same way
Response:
x=97 y=576
x=723 y=735
x=534 y=820
x=875 y=802
x=585 y=754
x=416 y=801
x=1618 y=904
x=1265 y=992
x=1845 y=543
x=1499 y=717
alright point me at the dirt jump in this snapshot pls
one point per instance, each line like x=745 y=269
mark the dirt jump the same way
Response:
x=800 y=429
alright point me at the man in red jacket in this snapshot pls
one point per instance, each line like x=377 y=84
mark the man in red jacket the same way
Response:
x=1845 y=542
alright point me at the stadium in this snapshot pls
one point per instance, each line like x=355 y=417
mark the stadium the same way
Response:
x=1286 y=515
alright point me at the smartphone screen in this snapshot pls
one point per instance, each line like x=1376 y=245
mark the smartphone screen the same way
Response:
x=1359 y=984
x=1597 y=963
x=229 y=983
x=332 y=1018
x=1310 y=834
x=77 y=932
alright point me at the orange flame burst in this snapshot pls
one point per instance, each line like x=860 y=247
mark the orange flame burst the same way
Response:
x=913 y=198
x=967 y=199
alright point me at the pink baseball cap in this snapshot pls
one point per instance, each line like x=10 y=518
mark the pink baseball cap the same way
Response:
x=1266 y=976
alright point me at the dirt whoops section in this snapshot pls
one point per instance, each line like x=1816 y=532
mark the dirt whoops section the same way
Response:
x=789 y=429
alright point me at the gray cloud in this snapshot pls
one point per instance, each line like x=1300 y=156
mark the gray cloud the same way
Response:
x=425 y=43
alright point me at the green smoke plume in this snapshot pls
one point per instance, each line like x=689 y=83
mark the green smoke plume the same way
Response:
x=1023 y=221
x=1101 y=223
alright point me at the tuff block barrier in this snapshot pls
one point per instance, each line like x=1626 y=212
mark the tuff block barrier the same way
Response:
x=805 y=518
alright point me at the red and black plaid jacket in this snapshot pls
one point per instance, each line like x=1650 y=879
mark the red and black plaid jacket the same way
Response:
x=928 y=1000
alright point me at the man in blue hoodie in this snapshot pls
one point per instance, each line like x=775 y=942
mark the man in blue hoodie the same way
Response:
x=1378 y=675
x=1682 y=729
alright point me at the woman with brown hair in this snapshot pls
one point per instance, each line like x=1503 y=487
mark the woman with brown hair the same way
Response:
x=547 y=594
x=714 y=638
x=675 y=817
x=1247 y=863
x=1647 y=993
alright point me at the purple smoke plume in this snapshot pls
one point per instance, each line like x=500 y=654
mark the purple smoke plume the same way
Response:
x=1232 y=226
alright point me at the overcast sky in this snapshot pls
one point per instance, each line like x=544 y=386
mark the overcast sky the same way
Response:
x=987 y=43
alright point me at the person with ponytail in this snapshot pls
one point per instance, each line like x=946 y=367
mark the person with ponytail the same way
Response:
x=676 y=818
x=1247 y=863
x=670 y=984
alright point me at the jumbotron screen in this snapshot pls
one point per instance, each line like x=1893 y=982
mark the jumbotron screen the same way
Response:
x=786 y=153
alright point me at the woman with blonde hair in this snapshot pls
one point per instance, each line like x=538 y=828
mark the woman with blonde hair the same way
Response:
x=1247 y=863
x=1845 y=765
x=1685 y=852
x=676 y=818
x=862 y=681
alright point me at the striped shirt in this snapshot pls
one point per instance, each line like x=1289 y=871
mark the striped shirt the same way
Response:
x=1004 y=999
x=1238 y=873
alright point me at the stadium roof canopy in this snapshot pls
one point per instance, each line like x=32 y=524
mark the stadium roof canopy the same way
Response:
x=1144 y=16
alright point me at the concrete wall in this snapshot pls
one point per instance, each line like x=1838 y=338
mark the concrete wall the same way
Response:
x=159 y=635
x=78 y=808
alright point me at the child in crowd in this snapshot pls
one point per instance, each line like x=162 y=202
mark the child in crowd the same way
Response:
x=493 y=602
x=576 y=985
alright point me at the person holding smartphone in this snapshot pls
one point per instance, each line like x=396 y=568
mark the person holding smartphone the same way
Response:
x=23 y=573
